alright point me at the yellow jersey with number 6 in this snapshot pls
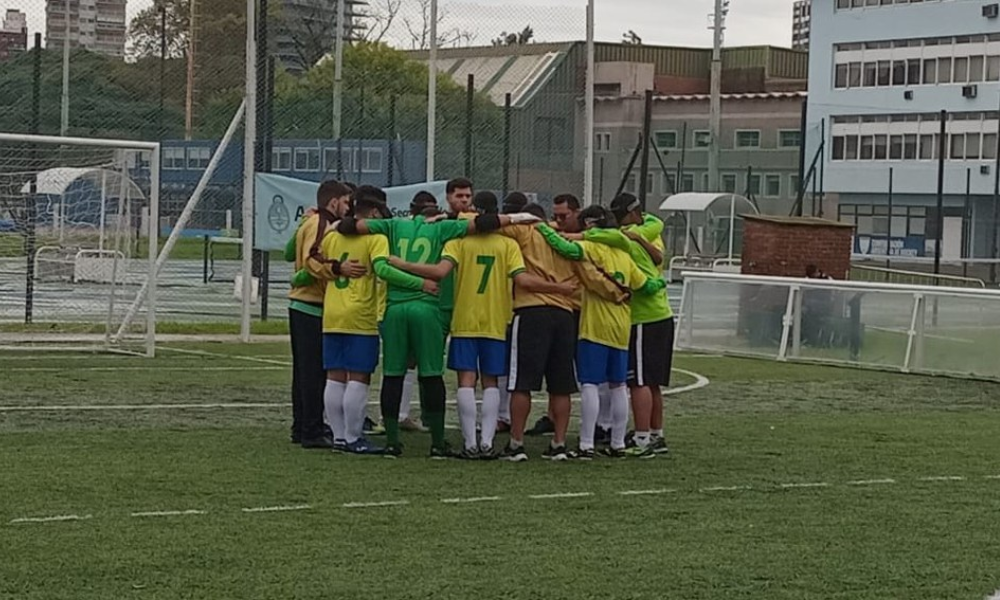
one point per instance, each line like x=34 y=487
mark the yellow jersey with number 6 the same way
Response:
x=352 y=305
x=485 y=266
x=602 y=321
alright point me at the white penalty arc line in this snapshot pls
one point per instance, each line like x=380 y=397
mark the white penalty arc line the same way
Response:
x=700 y=381
x=168 y=513
x=55 y=519
x=267 y=509
x=128 y=407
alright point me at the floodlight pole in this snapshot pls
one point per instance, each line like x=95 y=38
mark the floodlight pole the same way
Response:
x=432 y=91
x=715 y=97
x=64 y=122
x=338 y=74
x=588 y=111
x=250 y=132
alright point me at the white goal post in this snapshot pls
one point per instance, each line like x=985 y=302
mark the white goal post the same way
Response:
x=79 y=222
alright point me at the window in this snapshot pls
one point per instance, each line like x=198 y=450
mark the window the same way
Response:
x=899 y=72
x=960 y=74
x=793 y=185
x=669 y=183
x=665 y=139
x=871 y=72
x=993 y=68
x=884 y=72
x=371 y=160
x=748 y=139
x=632 y=184
x=989 y=146
x=772 y=186
x=851 y=150
x=729 y=183
x=867 y=147
x=307 y=159
x=838 y=147
x=173 y=158
x=957 y=145
x=910 y=146
x=881 y=147
x=927 y=146
x=687 y=182
x=930 y=70
x=281 y=159
x=753 y=185
x=330 y=160
x=972 y=145
x=198 y=158
x=840 y=77
x=702 y=139
x=789 y=138
x=913 y=71
x=944 y=70
x=602 y=142
x=854 y=75
x=895 y=147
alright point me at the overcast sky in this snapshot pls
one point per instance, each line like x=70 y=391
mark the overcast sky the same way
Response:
x=672 y=22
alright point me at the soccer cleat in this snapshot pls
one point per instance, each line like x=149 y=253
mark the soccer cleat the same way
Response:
x=582 y=454
x=602 y=436
x=392 y=451
x=487 y=453
x=557 y=454
x=412 y=425
x=373 y=428
x=659 y=445
x=614 y=452
x=340 y=446
x=364 y=447
x=640 y=452
x=469 y=454
x=443 y=453
x=320 y=443
x=514 y=455
x=543 y=426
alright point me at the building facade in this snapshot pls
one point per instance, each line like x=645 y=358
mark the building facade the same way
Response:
x=95 y=25
x=801 y=16
x=880 y=75
x=306 y=31
x=13 y=34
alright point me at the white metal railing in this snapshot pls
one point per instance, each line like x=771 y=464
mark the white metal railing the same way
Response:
x=678 y=265
x=877 y=274
x=908 y=328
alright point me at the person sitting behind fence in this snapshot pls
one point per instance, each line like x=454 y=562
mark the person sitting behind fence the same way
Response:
x=817 y=309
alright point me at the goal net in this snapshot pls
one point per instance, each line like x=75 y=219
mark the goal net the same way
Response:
x=78 y=228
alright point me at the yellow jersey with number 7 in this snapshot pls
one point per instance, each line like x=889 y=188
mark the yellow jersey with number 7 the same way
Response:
x=485 y=266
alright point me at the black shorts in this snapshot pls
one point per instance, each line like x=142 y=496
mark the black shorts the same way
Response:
x=542 y=346
x=650 y=354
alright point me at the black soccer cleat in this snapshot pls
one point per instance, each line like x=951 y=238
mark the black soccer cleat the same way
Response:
x=543 y=426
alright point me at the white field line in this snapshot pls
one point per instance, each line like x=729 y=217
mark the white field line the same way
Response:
x=55 y=519
x=700 y=381
x=943 y=478
x=991 y=476
x=375 y=504
x=169 y=513
x=470 y=500
x=562 y=495
x=267 y=509
x=646 y=492
x=68 y=408
x=142 y=368
x=254 y=359
x=723 y=488
x=872 y=482
x=789 y=486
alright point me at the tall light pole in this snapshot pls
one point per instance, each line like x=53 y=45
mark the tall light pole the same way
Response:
x=189 y=93
x=432 y=91
x=715 y=101
x=338 y=72
x=64 y=123
x=588 y=111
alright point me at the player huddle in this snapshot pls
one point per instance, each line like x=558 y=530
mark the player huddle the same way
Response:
x=578 y=306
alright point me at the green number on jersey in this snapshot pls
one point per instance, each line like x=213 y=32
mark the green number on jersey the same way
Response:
x=421 y=249
x=342 y=282
x=619 y=277
x=487 y=262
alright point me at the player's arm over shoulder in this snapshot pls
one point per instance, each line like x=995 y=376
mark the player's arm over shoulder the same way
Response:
x=638 y=281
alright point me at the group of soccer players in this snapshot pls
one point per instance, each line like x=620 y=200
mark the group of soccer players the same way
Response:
x=579 y=305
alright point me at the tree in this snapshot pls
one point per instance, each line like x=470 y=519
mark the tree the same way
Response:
x=378 y=19
x=418 y=28
x=515 y=39
x=144 y=32
x=631 y=38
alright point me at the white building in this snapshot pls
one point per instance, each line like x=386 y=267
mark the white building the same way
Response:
x=97 y=25
x=801 y=11
x=880 y=73
x=15 y=21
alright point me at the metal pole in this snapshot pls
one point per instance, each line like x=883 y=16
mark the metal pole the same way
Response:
x=506 y=143
x=647 y=125
x=939 y=219
x=470 y=94
x=967 y=224
x=262 y=156
x=715 y=102
x=432 y=92
x=888 y=233
x=250 y=133
x=799 y=193
x=64 y=122
x=338 y=76
x=680 y=165
x=822 y=168
x=995 y=225
x=589 y=111
x=391 y=167
x=189 y=92
x=31 y=212
x=163 y=61
x=732 y=224
x=104 y=209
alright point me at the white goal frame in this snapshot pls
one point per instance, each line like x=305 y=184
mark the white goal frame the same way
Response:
x=113 y=335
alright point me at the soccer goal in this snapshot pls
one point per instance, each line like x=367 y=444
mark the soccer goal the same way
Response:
x=78 y=237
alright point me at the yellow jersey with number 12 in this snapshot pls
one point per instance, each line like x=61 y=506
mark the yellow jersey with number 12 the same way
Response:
x=352 y=305
x=602 y=321
x=485 y=266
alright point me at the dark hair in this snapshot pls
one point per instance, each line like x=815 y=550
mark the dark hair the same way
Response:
x=486 y=203
x=430 y=210
x=370 y=192
x=570 y=199
x=421 y=201
x=598 y=216
x=367 y=207
x=625 y=204
x=514 y=202
x=536 y=209
x=328 y=190
x=459 y=183
x=811 y=270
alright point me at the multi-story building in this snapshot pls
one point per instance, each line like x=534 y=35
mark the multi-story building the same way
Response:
x=307 y=30
x=96 y=25
x=13 y=34
x=801 y=11
x=880 y=75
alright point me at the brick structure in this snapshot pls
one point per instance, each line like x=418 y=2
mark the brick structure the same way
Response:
x=785 y=246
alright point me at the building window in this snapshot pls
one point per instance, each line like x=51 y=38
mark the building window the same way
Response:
x=789 y=138
x=371 y=160
x=687 y=182
x=602 y=142
x=330 y=160
x=840 y=76
x=669 y=184
x=867 y=147
x=702 y=139
x=307 y=159
x=989 y=146
x=772 y=186
x=729 y=183
x=910 y=146
x=198 y=158
x=895 y=147
x=753 y=185
x=281 y=159
x=174 y=158
x=748 y=139
x=851 y=147
x=665 y=139
x=632 y=184
x=793 y=185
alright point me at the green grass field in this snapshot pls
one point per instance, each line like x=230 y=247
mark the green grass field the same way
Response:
x=784 y=481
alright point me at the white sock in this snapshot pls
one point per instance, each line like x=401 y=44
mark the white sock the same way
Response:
x=605 y=418
x=467 y=416
x=642 y=438
x=355 y=400
x=491 y=412
x=657 y=433
x=590 y=406
x=333 y=404
x=619 y=413
x=409 y=382
x=504 y=400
